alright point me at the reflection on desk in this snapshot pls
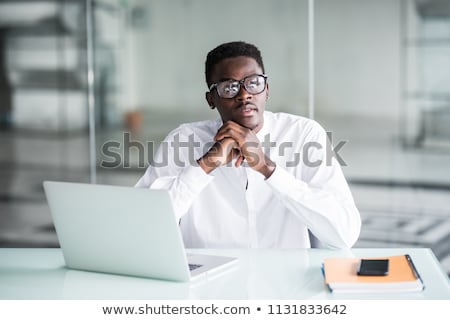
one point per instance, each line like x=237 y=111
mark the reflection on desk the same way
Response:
x=259 y=274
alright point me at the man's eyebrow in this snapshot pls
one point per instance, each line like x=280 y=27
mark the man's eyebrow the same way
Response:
x=226 y=79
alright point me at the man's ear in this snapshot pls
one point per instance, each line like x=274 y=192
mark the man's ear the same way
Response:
x=209 y=99
x=267 y=91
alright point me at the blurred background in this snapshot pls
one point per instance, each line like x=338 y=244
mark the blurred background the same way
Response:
x=381 y=85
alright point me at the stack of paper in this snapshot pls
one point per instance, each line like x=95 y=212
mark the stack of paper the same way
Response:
x=341 y=276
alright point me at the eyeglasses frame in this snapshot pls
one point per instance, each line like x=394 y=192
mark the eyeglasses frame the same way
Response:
x=241 y=84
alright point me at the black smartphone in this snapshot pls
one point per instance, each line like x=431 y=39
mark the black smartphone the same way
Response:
x=373 y=267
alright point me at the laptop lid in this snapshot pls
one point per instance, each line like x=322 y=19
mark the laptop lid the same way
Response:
x=114 y=229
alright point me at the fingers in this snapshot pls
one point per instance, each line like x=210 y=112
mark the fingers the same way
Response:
x=228 y=144
x=225 y=150
x=232 y=130
x=239 y=161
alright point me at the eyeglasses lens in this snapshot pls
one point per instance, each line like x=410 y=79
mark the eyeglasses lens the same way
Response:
x=253 y=84
x=228 y=89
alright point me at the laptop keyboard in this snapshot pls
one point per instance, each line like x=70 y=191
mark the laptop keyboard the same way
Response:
x=194 y=266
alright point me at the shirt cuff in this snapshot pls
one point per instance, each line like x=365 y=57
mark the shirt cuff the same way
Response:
x=284 y=182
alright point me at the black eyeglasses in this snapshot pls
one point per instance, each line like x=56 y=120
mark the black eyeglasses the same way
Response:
x=253 y=84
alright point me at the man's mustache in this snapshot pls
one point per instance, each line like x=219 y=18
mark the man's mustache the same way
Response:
x=246 y=103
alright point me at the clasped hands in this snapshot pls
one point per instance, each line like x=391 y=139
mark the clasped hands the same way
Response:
x=235 y=141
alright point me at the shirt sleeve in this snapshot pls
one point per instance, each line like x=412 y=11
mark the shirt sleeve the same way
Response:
x=318 y=194
x=176 y=170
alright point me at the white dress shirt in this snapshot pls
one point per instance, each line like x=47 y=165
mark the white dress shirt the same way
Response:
x=238 y=208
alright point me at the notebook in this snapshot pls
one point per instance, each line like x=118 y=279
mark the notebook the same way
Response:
x=341 y=276
x=123 y=230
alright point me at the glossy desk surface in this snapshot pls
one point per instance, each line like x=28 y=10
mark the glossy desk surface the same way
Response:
x=259 y=274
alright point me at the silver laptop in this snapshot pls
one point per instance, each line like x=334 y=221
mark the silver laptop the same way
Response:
x=123 y=230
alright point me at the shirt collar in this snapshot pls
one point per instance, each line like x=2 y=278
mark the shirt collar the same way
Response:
x=265 y=129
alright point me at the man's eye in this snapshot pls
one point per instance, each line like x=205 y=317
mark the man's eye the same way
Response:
x=253 y=83
x=231 y=87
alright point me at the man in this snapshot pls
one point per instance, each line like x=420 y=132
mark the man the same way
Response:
x=253 y=178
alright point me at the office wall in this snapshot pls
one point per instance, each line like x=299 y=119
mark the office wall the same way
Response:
x=357 y=53
x=358 y=57
x=168 y=54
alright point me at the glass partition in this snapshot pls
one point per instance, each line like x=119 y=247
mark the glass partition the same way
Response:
x=380 y=83
x=43 y=115
x=381 y=86
x=150 y=59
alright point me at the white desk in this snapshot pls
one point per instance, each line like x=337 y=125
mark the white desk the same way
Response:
x=259 y=274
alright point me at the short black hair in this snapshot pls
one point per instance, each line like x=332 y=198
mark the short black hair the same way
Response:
x=230 y=50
